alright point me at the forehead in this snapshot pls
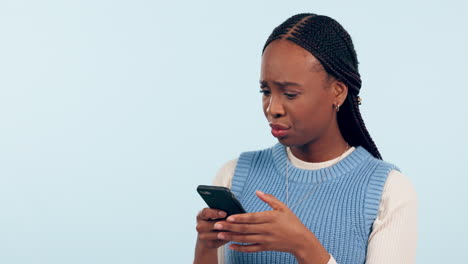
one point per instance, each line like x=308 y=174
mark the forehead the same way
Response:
x=286 y=60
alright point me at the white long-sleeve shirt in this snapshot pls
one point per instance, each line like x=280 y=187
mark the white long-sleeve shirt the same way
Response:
x=394 y=232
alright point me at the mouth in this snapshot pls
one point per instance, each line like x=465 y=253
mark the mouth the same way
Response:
x=279 y=130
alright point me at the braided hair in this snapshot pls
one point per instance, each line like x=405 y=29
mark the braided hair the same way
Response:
x=331 y=44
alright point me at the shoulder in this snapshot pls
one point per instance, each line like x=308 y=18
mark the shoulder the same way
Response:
x=396 y=186
x=378 y=171
x=398 y=200
x=383 y=165
x=398 y=191
x=273 y=150
x=225 y=174
x=386 y=185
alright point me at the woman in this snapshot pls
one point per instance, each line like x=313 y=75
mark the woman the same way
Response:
x=326 y=195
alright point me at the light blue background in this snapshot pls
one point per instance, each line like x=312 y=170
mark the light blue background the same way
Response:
x=112 y=112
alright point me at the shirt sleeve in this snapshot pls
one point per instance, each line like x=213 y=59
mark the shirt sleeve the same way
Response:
x=394 y=232
x=225 y=174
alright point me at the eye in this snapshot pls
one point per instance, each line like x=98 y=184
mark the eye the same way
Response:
x=290 y=95
x=265 y=92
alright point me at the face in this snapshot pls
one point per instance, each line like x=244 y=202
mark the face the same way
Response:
x=298 y=96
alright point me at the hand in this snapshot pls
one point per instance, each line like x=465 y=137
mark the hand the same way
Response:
x=278 y=230
x=207 y=234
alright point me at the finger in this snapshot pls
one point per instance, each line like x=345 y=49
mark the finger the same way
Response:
x=209 y=213
x=271 y=200
x=252 y=218
x=247 y=248
x=208 y=236
x=205 y=226
x=241 y=228
x=241 y=238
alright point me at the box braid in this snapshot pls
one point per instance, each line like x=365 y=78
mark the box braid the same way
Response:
x=331 y=44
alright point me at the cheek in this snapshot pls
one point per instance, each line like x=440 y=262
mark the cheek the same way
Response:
x=309 y=115
x=265 y=103
x=301 y=117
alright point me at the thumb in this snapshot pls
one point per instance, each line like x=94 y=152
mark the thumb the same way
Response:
x=271 y=200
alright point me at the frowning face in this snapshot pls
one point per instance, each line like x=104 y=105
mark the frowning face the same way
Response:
x=298 y=94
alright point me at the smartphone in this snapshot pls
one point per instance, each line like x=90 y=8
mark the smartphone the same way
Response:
x=221 y=198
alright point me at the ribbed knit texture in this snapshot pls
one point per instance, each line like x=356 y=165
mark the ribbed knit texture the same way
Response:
x=340 y=211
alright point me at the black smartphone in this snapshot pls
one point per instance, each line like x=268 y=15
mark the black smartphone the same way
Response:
x=221 y=198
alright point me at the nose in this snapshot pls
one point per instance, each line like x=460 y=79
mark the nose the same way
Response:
x=275 y=107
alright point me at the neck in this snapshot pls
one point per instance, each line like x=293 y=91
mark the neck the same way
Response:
x=323 y=149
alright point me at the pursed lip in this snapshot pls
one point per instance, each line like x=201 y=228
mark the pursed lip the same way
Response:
x=278 y=126
x=279 y=130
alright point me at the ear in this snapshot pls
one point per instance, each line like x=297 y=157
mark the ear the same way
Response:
x=340 y=91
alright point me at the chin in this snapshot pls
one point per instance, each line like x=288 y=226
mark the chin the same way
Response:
x=289 y=141
x=286 y=141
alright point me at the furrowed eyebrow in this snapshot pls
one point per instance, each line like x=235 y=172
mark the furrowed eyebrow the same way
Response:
x=284 y=84
x=280 y=84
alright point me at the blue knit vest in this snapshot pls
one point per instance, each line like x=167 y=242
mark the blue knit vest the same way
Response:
x=340 y=212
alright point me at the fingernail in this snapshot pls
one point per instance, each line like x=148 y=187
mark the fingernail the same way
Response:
x=222 y=214
x=221 y=236
x=218 y=226
x=231 y=219
x=260 y=192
